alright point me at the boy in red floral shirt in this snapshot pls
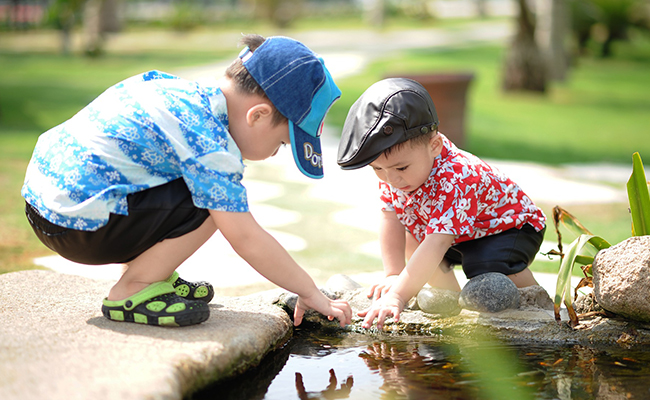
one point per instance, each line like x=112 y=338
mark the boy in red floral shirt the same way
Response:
x=456 y=209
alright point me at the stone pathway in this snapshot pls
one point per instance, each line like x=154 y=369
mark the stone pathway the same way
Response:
x=57 y=345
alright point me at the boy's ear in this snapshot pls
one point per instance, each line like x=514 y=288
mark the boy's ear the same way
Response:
x=436 y=144
x=258 y=112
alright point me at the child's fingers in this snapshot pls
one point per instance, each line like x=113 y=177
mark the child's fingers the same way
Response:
x=297 y=315
x=381 y=317
x=396 y=313
x=373 y=289
x=370 y=317
x=344 y=309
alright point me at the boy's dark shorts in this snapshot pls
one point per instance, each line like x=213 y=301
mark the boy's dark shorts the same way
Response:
x=508 y=252
x=155 y=214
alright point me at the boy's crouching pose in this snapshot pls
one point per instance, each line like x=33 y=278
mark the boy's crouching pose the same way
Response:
x=443 y=206
x=149 y=170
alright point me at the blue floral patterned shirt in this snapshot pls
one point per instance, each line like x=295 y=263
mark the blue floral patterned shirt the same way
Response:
x=143 y=132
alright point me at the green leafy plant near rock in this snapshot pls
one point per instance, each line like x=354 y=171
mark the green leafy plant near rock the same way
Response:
x=584 y=248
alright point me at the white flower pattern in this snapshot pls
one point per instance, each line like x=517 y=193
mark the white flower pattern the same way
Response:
x=463 y=197
x=142 y=132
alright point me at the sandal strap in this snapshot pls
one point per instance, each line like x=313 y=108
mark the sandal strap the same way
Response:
x=172 y=278
x=154 y=290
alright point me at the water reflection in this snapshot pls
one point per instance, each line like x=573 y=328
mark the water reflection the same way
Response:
x=331 y=392
x=418 y=371
x=352 y=366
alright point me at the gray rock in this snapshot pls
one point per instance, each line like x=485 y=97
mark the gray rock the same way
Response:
x=621 y=276
x=438 y=301
x=490 y=292
x=57 y=345
x=586 y=304
x=534 y=297
x=287 y=301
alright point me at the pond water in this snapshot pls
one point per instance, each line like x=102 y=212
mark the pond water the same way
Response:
x=355 y=366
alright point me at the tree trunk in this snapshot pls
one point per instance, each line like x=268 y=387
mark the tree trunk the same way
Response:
x=99 y=17
x=553 y=28
x=67 y=25
x=92 y=28
x=481 y=8
x=374 y=13
x=525 y=68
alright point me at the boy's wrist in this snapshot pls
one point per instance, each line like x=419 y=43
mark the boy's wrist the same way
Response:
x=310 y=292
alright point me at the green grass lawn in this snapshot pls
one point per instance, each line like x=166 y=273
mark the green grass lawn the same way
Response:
x=599 y=114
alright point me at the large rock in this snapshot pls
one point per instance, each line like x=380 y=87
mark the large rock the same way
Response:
x=490 y=292
x=55 y=343
x=621 y=276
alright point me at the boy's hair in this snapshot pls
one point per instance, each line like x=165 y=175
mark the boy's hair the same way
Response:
x=244 y=82
x=413 y=142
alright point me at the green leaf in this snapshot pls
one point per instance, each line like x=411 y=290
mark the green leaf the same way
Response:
x=639 y=196
x=573 y=256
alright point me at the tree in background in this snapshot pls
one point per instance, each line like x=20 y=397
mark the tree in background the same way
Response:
x=553 y=34
x=615 y=18
x=99 y=17
x=607 y=21
x=525 y=67
x=64 y=15
x=279 y=12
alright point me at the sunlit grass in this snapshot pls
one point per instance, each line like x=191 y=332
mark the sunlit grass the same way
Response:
x=600 y=114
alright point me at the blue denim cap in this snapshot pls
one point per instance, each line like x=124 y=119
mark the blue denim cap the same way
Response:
x=301 y=88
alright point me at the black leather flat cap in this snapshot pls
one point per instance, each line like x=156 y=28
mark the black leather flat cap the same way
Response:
x=389 y=112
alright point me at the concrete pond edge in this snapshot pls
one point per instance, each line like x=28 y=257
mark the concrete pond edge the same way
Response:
x=54 y=337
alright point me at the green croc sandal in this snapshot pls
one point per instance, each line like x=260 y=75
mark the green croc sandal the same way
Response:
x=157 y=304
x=191 y=290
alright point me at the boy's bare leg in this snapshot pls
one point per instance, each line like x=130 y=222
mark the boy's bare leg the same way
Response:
x=523 y=278
x=160 y=261
x=411 y=245
x=443 y=277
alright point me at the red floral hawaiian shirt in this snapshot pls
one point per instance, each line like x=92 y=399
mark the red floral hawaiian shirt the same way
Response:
x=464 y=197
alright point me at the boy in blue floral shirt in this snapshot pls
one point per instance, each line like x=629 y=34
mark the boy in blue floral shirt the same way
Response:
x=149 y=170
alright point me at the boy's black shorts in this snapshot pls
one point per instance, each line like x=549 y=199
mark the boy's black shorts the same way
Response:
x=155 y=214
x=508 y=252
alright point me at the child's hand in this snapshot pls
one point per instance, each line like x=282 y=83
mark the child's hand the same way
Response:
x=388 y=304
x=339 y=309
x=379 y=289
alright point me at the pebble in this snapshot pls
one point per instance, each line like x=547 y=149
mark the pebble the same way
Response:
x=438 y=301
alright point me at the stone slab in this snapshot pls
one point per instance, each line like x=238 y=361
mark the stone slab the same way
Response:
x=55 y=343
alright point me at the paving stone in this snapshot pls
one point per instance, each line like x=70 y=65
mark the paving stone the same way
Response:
x=56 y=344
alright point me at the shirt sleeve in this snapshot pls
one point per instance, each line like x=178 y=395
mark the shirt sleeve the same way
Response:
x=386 y=197
x=215 y=182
